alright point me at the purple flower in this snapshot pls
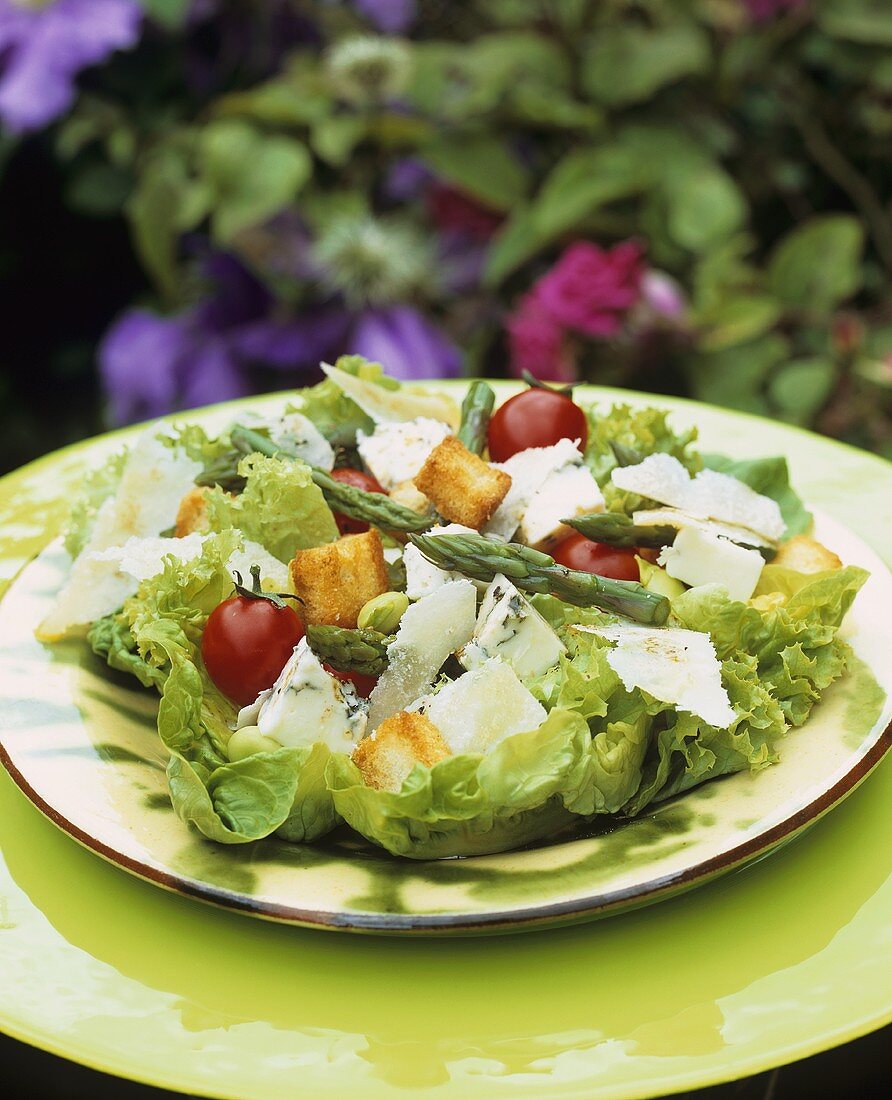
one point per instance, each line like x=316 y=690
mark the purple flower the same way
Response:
x=44 y=47
x=590 y=289
x=405 y=343
x=389 y=16
x=762 y=10
x=537 y=343
x=662 y=295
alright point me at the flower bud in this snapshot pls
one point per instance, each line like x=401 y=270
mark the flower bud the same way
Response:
x=367 y=70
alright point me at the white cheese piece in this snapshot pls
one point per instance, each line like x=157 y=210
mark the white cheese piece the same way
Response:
x=385 y=406
x=675 y=666
x=297 y=433
x=565 y=494
x=274 y=575
x=709 y=495
x=697 y=557
x=480 y=709
x=509 y=627
x=429 y=632
x=422 y=577
x=154 y=480
x=307 y=705
x=675 y=517
x=529 y=470
x=101 y=580
x=395 y=453
x=392 y=554
x=248 y=715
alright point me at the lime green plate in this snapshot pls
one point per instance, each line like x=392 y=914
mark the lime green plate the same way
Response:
x=779 y=960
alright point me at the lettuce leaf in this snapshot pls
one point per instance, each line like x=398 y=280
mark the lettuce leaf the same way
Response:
x=112 y=639
x=97 y=487
x=281 y=507
x=336 y=416
x=771 y=478
x=526 y=788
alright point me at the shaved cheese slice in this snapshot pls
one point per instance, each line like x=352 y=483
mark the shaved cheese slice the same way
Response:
x=101 y=580
x=275 y=576
x=430 y=631
x=709 y=495
x=393 y=405
x=675 y=517
x=673 y=665
x=480 y=709
x=529 y=470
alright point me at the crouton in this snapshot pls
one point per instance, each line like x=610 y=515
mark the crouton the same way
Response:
x=336 y=580
x=463 y=488
x=406 y=494
x=396 y=746
x=193 y=514
x=806 y=555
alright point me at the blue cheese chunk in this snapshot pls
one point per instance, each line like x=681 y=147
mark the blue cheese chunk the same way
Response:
x=297 y=434
x=509 y=627
x=479 y=710
x=395 y=452
x=565 y=494
x=699 y=557
x=307 y=704
x=423 y=578
x=709 y=495
x=675 y=666
x=529 y=470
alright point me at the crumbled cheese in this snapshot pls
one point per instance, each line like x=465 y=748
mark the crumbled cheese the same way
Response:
x=565 y=494
x=297 y=434
x=481 y=708
x=430 y=631
x=308 y=704
x=698 y=557
x=675 y=666
x=508 y=626
x=395 y=453
x=708 y=495
x=529 y=470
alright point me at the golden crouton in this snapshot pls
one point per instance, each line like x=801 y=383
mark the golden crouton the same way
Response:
x=336 y=580
x=406 y=494
x=396 y=746
x=806 y=555
x=463 y=488
x=193 y=514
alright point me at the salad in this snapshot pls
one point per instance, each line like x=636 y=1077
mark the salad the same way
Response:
x=457 y=630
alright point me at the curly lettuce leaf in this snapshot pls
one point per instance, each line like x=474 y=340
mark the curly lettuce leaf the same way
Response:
x=625 y=436
x=112 y=639
x=281 y=507
x=528 y=787
x=794 y=642
x=196 y=442
x=337 y=416
x=771 y=478
x=97 y=487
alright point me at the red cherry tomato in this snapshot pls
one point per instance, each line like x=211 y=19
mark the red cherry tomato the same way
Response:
x=534 y=418
x=362 y=683
x=578 y=552
x=246 y=643
x=348 y=476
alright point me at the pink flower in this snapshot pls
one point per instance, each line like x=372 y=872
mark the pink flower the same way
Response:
x=537 y=344
x=590 y=289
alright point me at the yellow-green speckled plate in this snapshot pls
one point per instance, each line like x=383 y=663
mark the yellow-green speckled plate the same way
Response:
x=781 y=959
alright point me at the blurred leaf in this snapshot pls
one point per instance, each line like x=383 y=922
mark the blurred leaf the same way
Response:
x=481 y=165
x=253 y=175
x=334 y=138
x=547 y=106
x=736 y=375
x=817 y=265
x=867 y=21
x=627 y=64
x=800 y=388
x=704 y=205
x=736 y=321
x=278 y=103
x=99 y=189
x=169 y=13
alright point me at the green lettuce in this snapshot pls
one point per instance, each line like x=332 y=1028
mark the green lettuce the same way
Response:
x=794 y=642
x=97 y=487
x=337 y=416
x=771 y=478
x=281 y=507
x=112 y=639
x=529 y=786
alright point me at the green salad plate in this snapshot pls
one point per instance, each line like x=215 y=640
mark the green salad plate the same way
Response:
x=782 y=958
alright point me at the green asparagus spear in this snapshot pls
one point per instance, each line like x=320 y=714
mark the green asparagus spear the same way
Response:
x=476 y=410
x=375 y=508
x=223 y=472
x=363 y=651
x=482 y=557
x=617 y=529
